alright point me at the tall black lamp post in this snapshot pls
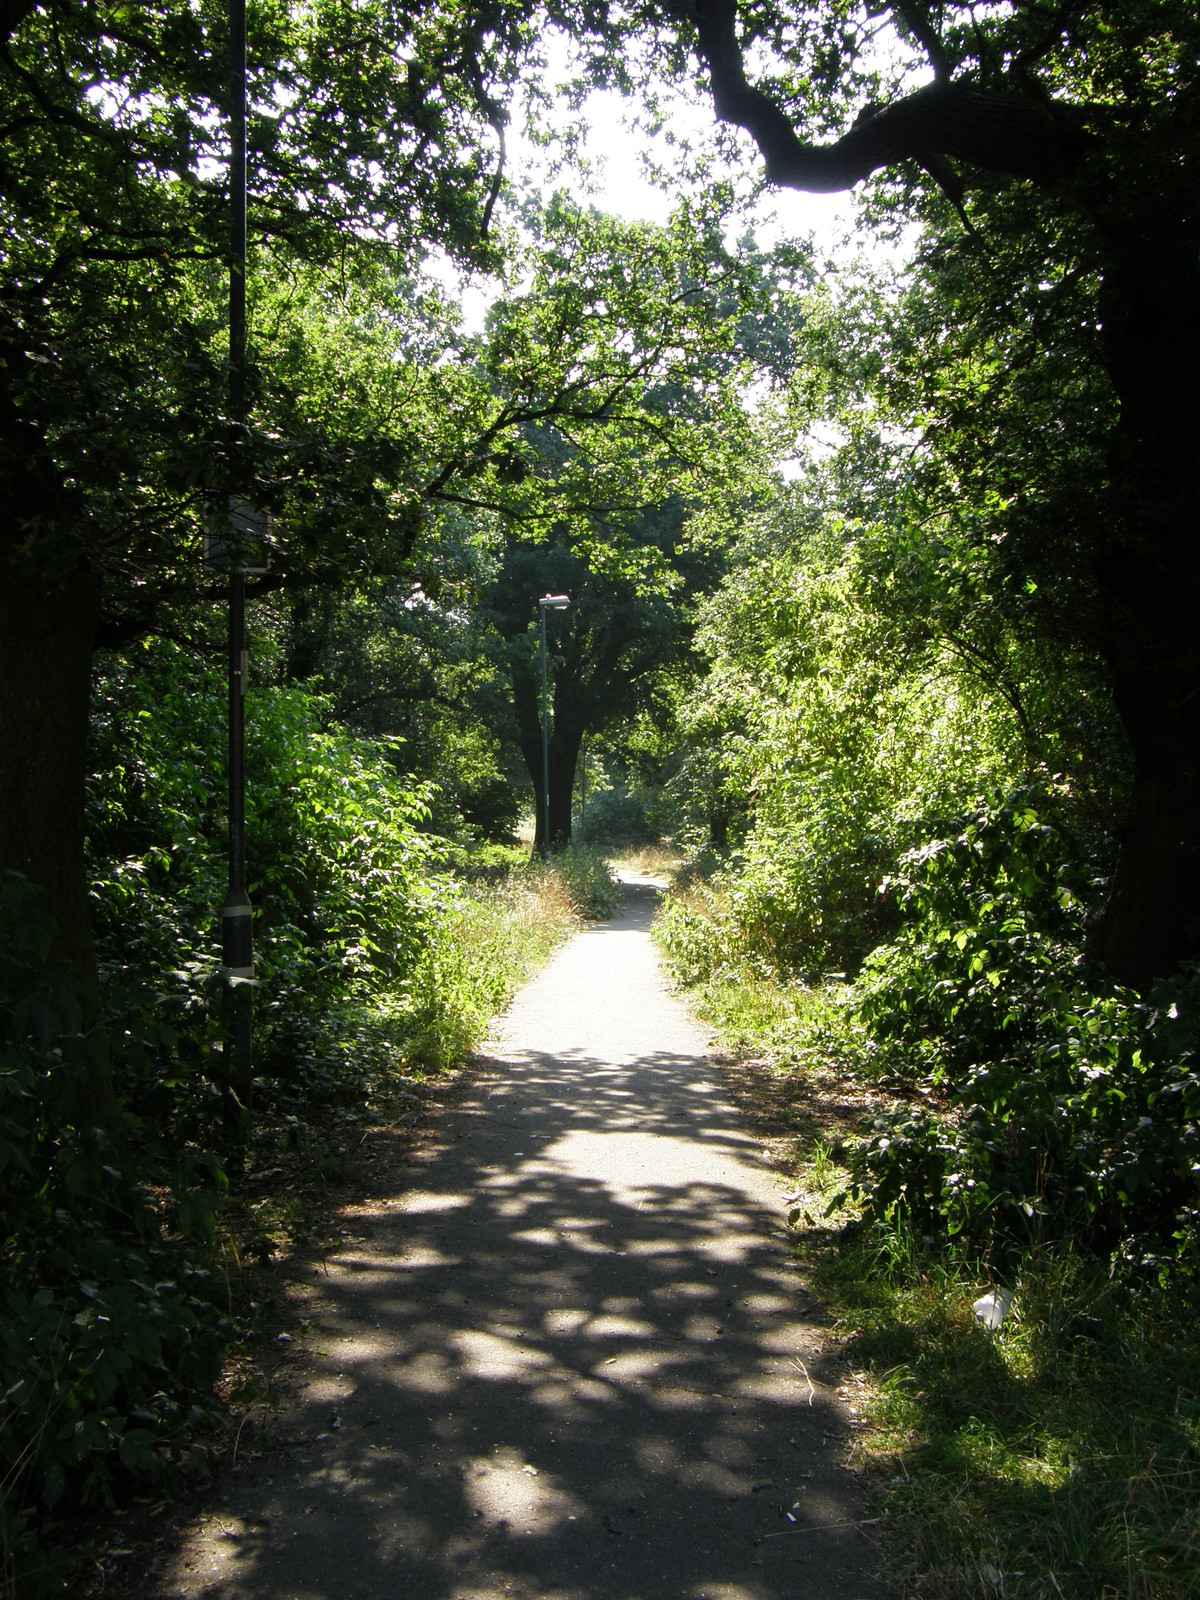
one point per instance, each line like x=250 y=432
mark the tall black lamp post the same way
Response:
x=237 y=952
x=548 y=602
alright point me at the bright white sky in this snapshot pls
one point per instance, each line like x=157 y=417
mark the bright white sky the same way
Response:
x=615 y=151
x=619 y=185
x=622 y=188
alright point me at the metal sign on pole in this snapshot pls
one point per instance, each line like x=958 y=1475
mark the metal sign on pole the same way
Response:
x=238 y=531
x=548 y=602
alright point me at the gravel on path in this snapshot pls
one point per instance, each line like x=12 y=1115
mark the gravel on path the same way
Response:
x=575 y=1360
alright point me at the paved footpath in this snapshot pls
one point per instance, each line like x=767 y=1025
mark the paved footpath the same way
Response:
x=575 y=1361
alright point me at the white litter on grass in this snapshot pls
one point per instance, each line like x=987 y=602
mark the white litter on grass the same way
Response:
x=991 y=1309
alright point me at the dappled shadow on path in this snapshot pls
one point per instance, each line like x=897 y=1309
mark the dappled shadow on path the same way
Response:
x=572 y=1362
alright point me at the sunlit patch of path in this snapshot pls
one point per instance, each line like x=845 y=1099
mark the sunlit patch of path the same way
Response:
x=574 y=1361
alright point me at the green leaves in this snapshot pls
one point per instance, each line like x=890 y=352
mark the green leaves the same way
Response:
x=197 y=1184
x=1049 y=1079
x=1033 y=1100
x=614 y=375
x=104 y=1345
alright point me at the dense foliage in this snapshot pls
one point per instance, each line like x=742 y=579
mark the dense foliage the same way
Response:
x=925 y=713
x=1062 y=1106
x=111 y=1333
x=879 y=720
x=384 y=950
x=906 y=756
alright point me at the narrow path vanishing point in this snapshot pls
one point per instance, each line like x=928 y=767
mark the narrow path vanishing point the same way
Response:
x=573 y=1361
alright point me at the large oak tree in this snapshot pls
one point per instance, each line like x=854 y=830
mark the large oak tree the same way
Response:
x=603 y=651
x=1067 y=139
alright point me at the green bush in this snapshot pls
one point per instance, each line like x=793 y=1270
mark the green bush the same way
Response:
x=109 y=1341
x=1065 y=1106
x=358 y=924
x=587 y=879
x=1034 y=1100
x=337 y=862
x=697 y=927
x=613 y=817
x=340 y=873
x=833 y=745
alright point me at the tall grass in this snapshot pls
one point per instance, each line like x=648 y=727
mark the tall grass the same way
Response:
x=586 y=880
x=493 y=922
x=659 y=860
x=795 y=1025
x=487 y=939
x=1055 y=1459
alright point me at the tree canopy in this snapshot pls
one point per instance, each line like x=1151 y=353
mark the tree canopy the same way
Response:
x=883 y=579
x=368 y=408
x=1059 y=154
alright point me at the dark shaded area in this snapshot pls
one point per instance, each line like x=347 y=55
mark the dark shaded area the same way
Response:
x=575 y=1360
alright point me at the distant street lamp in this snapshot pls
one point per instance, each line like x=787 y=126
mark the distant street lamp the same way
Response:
x=548 y=602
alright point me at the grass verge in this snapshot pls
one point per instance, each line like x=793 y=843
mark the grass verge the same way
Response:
x=661 y=860
x=1057 y=1458
x=334 y=1123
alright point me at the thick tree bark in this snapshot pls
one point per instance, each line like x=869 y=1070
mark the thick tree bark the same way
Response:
x=1149 y=580
x=1150 y=919
x=564 y=750
x=566 y=739
x=567 y=731
x=47 y=632
x=718 y=824
x=49 y=612
x=1142 y=202
x=1004 y=130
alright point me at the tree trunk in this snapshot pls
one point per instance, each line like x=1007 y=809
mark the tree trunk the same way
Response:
x=564 y=757
x=1149 y=921
x=564 y=744
x=718 y=824
x=49 y=611
x=567 y=732
x=47 y=635
x=1149 y=580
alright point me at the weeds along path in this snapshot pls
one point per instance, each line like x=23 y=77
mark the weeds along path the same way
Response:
x=574 y=1360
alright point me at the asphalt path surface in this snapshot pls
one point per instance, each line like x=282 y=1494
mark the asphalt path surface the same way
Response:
x=575 y=1360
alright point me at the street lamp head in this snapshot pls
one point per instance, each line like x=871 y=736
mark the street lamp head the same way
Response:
x=554 y=602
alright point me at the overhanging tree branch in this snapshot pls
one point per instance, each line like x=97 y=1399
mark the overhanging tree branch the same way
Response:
x=917 y=20
x=1004 y=130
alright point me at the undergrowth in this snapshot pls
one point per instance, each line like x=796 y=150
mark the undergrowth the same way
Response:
x=1027 y=1127
x=120 y=1262
x=1057 y=1457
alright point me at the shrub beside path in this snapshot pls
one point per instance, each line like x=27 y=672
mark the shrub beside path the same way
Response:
x=574 y=1360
